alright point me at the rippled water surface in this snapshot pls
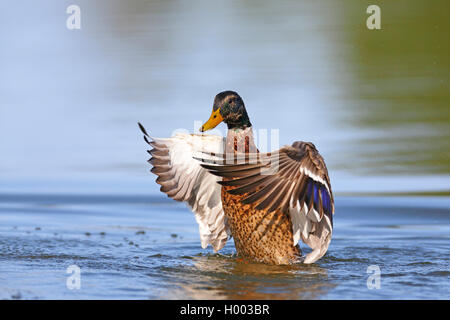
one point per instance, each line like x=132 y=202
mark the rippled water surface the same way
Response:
x=139 y=247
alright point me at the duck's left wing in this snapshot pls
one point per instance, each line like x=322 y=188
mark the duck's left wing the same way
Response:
x=294 y=180
x=183 y=179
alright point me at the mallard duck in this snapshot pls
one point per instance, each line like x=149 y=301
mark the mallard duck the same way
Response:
x=266 y=201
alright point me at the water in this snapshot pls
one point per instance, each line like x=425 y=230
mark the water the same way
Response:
x=148 y=248
x=75 y=188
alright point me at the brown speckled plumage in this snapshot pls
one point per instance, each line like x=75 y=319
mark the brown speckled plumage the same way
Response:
x=259 y=235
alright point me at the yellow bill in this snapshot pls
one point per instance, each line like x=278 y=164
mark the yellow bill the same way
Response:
x=213 y=121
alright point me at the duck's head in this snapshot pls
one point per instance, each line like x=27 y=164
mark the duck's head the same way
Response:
x=229 y=108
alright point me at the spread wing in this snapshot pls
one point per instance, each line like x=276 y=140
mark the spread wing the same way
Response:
x=183 y=179
x=294 y=180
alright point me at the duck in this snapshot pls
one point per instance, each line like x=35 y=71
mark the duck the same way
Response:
x=267 y=202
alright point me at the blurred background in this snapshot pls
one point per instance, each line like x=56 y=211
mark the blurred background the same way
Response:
x=374 y=102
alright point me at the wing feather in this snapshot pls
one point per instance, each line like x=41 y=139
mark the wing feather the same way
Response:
x=294 y=180
x=183 y=179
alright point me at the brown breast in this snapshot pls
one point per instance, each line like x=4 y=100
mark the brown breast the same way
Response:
x=259 y=235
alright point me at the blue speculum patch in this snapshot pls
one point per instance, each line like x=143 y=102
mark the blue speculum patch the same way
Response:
x=314 y=189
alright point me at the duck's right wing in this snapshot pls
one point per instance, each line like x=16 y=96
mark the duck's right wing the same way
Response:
x=183 y=179
x=293 y=180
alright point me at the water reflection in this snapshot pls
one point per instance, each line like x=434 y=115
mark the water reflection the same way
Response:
x=222 y=277
x=397 y=99
x=374 y=102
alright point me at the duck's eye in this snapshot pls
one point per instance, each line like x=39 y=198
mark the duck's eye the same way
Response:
x=215 y=116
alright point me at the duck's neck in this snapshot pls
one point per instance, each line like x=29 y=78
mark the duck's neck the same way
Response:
x=240 y=141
